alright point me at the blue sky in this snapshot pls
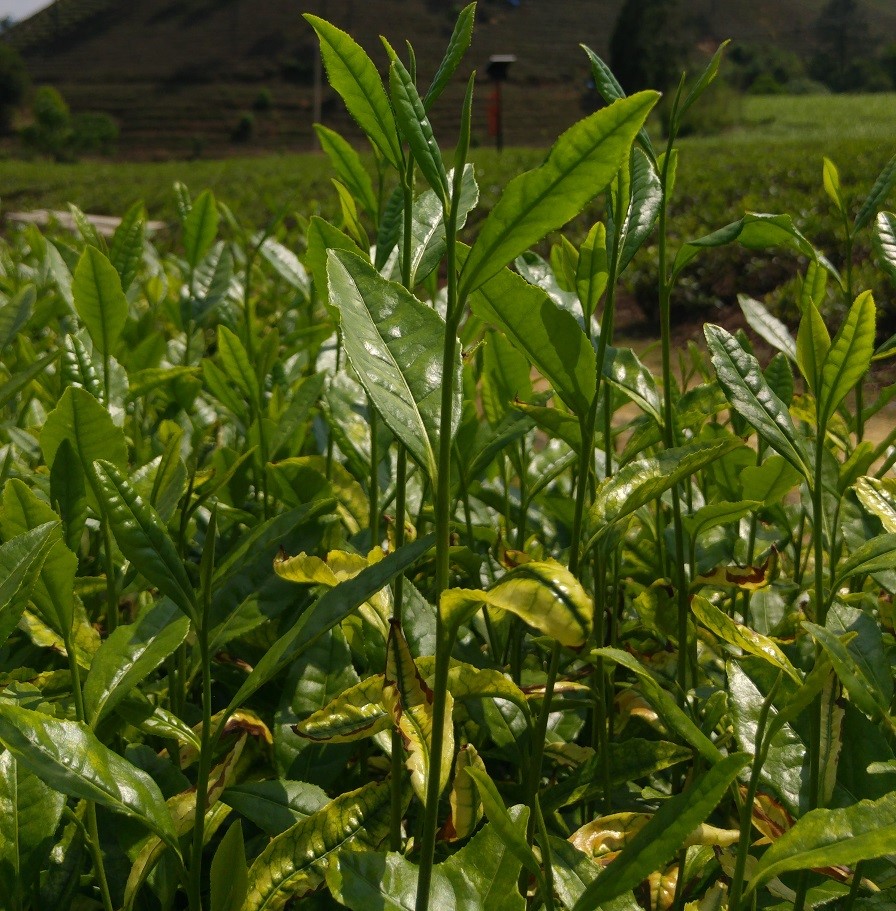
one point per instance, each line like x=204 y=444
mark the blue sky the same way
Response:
x=18 y=9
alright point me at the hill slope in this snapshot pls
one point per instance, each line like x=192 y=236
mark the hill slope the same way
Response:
x=179 y=74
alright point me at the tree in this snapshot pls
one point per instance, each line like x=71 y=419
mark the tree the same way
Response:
x=648 y=47
x=14 y=84
x=842 y=36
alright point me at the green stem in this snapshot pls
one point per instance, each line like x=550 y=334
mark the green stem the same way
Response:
x=443 y=542
x=374 y=488
x=111 y=586
x=202 y=775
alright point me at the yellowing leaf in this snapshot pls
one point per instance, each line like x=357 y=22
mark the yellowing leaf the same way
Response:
x=542 y=593
x=409 y=700
x=466 y=806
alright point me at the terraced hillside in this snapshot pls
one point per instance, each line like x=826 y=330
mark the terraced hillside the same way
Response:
x=180 y=74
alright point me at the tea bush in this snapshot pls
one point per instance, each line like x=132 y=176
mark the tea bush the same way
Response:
x=364 y=570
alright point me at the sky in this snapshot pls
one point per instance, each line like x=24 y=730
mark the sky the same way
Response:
x=19 y=9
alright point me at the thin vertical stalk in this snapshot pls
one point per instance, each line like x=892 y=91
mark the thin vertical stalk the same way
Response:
x=373 y=490
x=665 y=292
x=443 y=542
x=111 y=586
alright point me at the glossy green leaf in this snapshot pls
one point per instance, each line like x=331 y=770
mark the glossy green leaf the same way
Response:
x=742 y=637
x=663 y=704
x=353 y=75
x=482 y=876
x=295 y=861
x=714 y=514
x=643 y=207
x=861 y=688
x=813 y=342
x=543 y=594
x=395 y=344
x=69 y=758
x=82 y=420
x=874 y=556
x=277 y=805
x=130 y=655
x=126 y=249
x=753 y=231
x=656 y=844
x=705 y=79
x=625 y=372
x=581 y=163
x=752 y=398
x=610 y=90
x=458 y=44
x=549 y=336
x=99 y=299
x=68 y=493
x=200 y=228
x=414 y=125
x=824 y=838
x=505 y=376
x=428 y=243
x=639 y=483
x=29 y=814
x=409 y=700
x=592 y=269
x=849 y=356
x=332 y=607
x=878 y=496
x=235 y=361
x=229 y=875
x=767 y=326
x=770 y=481
x=877 y=196
x=21 y=560
x=831 y=181
x=574 y=871
x=53 y=592
x=347 y=164
x=885 y=242
x=143 y=538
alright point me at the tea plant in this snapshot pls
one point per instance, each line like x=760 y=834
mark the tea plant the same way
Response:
x=345 y=577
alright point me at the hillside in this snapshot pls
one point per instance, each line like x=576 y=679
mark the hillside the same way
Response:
x=180 y=74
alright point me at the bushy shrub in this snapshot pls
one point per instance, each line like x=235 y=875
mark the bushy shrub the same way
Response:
x=244 y=128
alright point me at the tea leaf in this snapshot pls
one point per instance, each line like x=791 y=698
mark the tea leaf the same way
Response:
x=332 y=607
x=99 y=299
x=69 y=758
x=742 y=637
x=229 y=875
x=655 y=844
x=550 y=337
x=877 y=196
x=126 y=249
x=395 y=344
x=82 y=420
x=878 y=496
x=543 y=594
x=130 y=654
x=663 y=703
x=29 y=814
x=582 y=162
x=14 y=314
x=200 y=227
x=639 y=483
x=873 y=556
x=353 y=75
x=592 y=269
x=643 y=208
x=482 y=876
x=768 y=327
x=849 y=356
x=21 y=560
x=831 y=180
x=414 y=125
x=885 y=242
x=295 y=861
x=143 y=538
x=824 y=838
x=409 y=700
x=752 y=398
x=348 y=166
x=460 y=40
x=277 y=805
